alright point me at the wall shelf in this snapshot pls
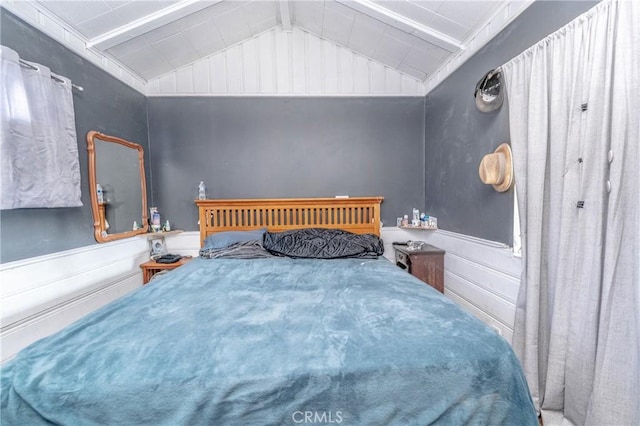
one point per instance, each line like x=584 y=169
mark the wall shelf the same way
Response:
x=153 y=235
x=421 y=228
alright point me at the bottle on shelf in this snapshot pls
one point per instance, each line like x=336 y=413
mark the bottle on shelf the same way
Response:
x=100 y=193
x=155 y=219
x=202 y=191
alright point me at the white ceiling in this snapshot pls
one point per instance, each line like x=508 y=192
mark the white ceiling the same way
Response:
x=153 y=38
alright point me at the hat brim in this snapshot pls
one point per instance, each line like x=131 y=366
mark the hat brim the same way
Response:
x=489 y=95
x=487 y=103
x=507 y=182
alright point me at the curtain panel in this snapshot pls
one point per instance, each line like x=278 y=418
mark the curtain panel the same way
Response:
x=574 y=115
x=39 y=165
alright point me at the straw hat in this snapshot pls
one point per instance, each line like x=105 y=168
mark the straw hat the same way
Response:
x=497 y=168
x=488 y=93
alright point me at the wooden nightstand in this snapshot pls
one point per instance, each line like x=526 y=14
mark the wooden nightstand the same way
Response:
x=150 y=268
x=427 y=264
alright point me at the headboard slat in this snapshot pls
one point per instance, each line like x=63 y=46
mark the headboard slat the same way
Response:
x=360 y=215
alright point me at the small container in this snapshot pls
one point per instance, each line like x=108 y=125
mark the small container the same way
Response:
x=399 y=222
x=155 y=219
x=135 y=225
x=167 y=226
x=202 y=195
x=416 y=214
x=405 y=220
x=415 y=222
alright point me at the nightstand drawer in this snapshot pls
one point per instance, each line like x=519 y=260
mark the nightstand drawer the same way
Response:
x=402 y=260
x=427 y=264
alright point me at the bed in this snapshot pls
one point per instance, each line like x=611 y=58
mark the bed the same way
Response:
x=272 y=340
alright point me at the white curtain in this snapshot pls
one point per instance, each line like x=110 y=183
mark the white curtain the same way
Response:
x=39 y=164
x=574 y=113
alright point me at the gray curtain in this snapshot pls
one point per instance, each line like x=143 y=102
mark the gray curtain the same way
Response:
x=39 y=165
x=574 y=113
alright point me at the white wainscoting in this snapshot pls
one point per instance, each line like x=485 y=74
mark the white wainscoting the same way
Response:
x=482 y=276
x=41 y=295
x=290 y=63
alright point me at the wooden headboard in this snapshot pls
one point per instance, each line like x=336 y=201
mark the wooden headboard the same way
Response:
x=359 y=215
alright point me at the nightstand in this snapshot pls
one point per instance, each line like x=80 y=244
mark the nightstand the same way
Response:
x=150 y=268
x=427 y=264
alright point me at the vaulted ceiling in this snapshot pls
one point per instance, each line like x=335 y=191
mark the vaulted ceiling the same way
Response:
x=153 y=38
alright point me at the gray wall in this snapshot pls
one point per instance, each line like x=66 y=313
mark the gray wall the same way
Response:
x=414 y=154
x=106 y=105
x=285 y=147
x=457 y=135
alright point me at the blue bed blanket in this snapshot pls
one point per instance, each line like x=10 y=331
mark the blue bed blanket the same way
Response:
x=271 y=341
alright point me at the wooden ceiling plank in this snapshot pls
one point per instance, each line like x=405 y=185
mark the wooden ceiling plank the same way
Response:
x=285 y=15
x=147 y=23
x=405 y=24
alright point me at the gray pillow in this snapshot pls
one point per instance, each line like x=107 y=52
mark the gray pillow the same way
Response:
x=320 y=243
x=225 y=239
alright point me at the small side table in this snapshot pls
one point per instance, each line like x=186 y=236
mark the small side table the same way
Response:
x=150 y=268
x=427 y=264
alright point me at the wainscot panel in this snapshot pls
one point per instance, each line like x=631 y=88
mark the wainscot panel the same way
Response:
x=482 y=276
x=41 y=295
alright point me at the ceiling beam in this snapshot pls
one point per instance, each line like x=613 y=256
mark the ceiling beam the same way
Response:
x=148 y=23
x=405 y=24
x=285 y=15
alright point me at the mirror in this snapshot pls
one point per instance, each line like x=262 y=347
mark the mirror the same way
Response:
x=118 y=187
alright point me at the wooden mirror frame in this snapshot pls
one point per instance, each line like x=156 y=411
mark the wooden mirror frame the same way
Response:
x=98 y=217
